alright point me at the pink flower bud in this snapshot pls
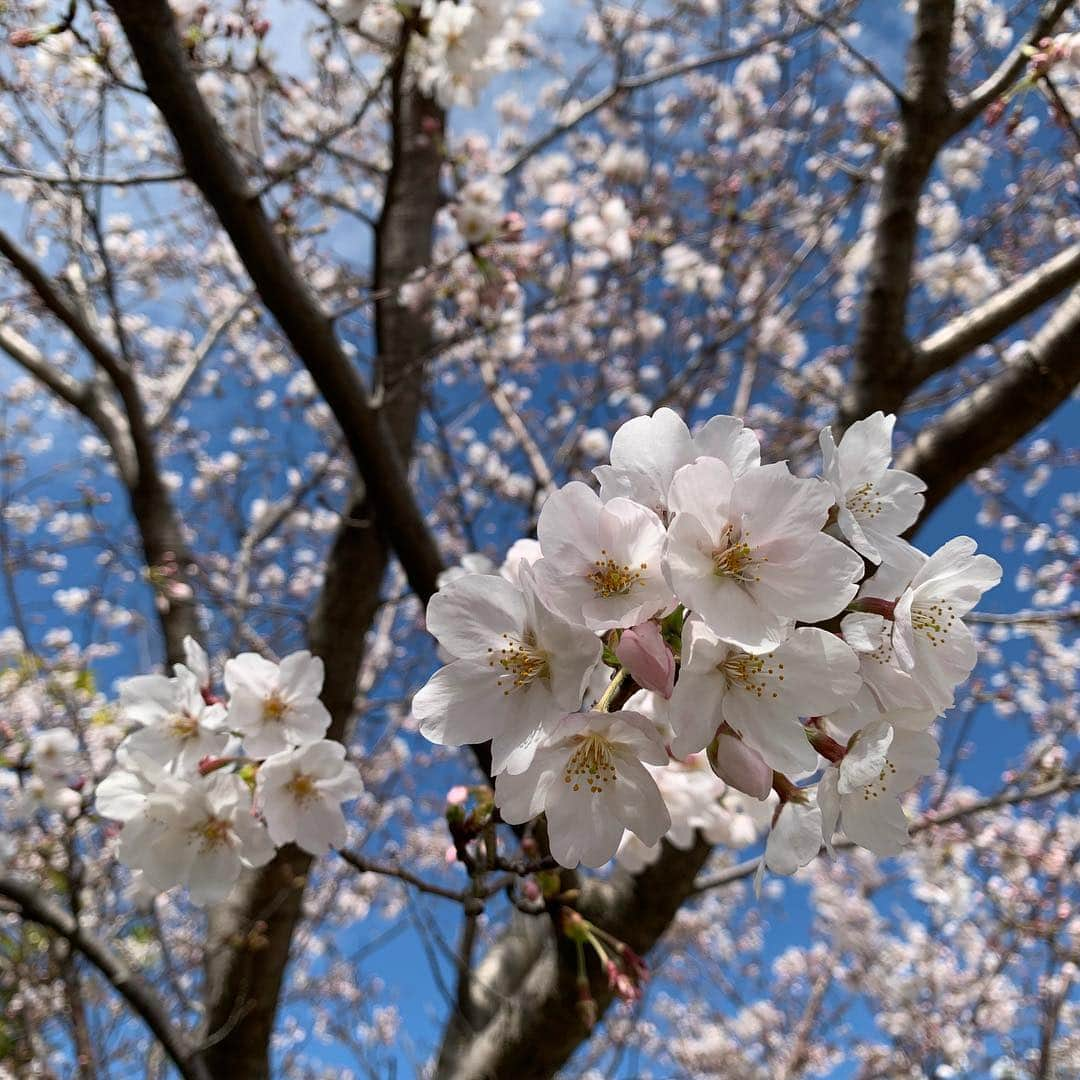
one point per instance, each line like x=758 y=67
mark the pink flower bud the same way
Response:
x=644 y=653
x=740 y=765
x=457 y=795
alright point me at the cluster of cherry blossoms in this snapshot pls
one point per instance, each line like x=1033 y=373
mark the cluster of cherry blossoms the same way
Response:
x=206 y=787
x=703 y=601
x=465 y=44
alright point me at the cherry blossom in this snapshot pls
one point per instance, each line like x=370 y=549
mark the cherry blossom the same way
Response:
x=760 y=696
x=696 y=800
x=648 y=451
x=276 y=706
x=299 y=793
x=54 y=754
x=518 y=667
x=589 y=776
x=929 y=635
x=601 y=561
x=874 y=503
x=177 y=724
x=747 y=553
x=862 y=793
x=794 y=839
x=198 y=833
x=123 y=793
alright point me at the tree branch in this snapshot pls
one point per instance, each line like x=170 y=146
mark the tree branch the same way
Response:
x=1069 y=782
x=151 y=32
x=1002 y=409
x=159 y=526
x=983 y=323
x=84 y=397
x=881 y=375
x=127 y=983
x=244 y=986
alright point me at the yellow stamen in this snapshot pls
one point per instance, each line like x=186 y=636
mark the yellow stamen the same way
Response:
x=213 y=833
x=864 y=502
x=184 y=726
x=610 y=578
x=591 y=763
x=752 y=672
x=933 y=619
x=274 y=708
x=302 y=788
x=520 y=660
x=735 y=558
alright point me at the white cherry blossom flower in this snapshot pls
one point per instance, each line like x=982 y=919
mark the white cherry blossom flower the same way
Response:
x=865 y=709
x=606 y=229
x=300 y=793
x=929 y=635
x=747 y=553
x=276 y=706
x=874 y=503
x=870 y=634
x=589 y=778
x=198 y=833
x=54 y=753
x=601 y=561
x=762 y=696
x=648 y=451
x=519 y=668
x=51 y=793
x=862 y=794
x=177 y=724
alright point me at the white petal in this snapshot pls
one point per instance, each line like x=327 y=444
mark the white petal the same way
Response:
x=300 y=677
x=470 y=615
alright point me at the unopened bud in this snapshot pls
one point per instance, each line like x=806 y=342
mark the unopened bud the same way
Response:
x=740 y=765
x=644 y=653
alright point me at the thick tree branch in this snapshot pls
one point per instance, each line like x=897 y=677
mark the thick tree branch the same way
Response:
x=881 y=375
x=159 y=526
x=46 y=290
x=128 y=984
x=533 y=1032
x=151 y=32
x=1002 y=409
x=886 y=368
x=983 y=323
x=245 y=985
x=84 y=397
